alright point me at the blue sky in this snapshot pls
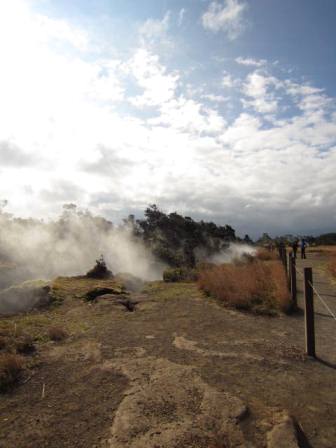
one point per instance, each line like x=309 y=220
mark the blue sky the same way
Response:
x=221 y=110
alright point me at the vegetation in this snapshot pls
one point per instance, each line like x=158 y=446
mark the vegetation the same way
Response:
x=178 y=240
x=25 y=344
x=266 y=255
x=180 y=275
x=326 y=239
x=259 y=286
x=11 y=368
x=100 y=270
x=16 y=342
x=332 y=265
x=57 y=334
x=172 y=238
x=79 y=287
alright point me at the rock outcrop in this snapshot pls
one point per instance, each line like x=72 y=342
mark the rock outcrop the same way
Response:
x=283 y=434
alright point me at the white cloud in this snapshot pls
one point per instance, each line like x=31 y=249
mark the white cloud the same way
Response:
x=227 y=17
x=181 y=16
x=20 y=29
x=158 y=85
x=306 y=97
x=257 y=90
x=215 y=98
x=154 y=32
x=189 y=116
x=73 y=112
x=229 y=82
x=250 y=62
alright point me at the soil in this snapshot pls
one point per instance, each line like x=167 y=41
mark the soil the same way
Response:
x=179 y=371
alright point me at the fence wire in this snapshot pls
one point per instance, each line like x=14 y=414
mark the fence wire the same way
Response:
x=318 y=295
x=298 y=272
x=324 y=303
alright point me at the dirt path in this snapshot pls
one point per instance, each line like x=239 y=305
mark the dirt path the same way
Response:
x=181 y=371
x=325 y=324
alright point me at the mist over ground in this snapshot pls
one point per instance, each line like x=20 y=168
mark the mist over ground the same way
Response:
x=235 y=251
x=70 y=245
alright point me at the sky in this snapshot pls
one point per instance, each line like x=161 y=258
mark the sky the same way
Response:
x=221 y=110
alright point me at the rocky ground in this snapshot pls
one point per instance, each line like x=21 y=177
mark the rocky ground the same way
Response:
x=177 y=371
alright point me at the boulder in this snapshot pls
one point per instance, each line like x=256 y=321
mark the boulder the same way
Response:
x=283 y=434
x=120 y=301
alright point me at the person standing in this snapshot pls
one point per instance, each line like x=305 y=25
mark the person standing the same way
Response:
x=303 y=248
x=295 y=245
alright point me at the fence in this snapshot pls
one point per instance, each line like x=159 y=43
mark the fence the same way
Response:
x=309 y=291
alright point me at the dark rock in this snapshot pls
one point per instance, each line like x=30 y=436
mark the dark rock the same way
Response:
x=125 y=302
x=97 y=292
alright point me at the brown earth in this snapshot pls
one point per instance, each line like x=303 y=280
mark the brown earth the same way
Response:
x=179 y=371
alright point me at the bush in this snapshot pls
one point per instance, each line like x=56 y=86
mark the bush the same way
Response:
x=57 y=334
x=99 y=271
x=266 y=255
x=11 y=368
x=24 y=344
x=260 y=286
x=17 y=342
x=205 y=266
x=3 y=342
x=180 y=275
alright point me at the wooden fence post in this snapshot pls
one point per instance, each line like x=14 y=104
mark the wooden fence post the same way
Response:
x=290 y=257
x=293 y=282
x=309 y=312
x=284 y=259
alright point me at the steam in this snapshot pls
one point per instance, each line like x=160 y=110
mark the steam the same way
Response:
x=234 y=251
x=32 y=249
x=70 y=246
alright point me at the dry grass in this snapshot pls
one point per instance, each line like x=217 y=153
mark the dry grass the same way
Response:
x=332 y=265
x=260 y=287
x=180 y=275
x=266 y=255
x=78 y=287
x=11 y=368
x=24 y=344
x=3 y=343
x=57 y=334
x=327 y=250
x=13 y=341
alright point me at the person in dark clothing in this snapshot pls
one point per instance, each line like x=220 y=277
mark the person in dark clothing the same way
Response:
x=295 y=245
x=303 y=248
x=281 y=247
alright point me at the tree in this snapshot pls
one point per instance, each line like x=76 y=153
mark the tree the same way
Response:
x=247 y=239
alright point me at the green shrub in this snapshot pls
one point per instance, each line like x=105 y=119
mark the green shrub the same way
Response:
x=100 y=271
x=179 y=275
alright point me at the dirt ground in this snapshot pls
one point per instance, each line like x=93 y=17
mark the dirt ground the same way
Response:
x=179 y=371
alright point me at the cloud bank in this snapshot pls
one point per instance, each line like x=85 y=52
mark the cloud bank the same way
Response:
x=115 y=131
